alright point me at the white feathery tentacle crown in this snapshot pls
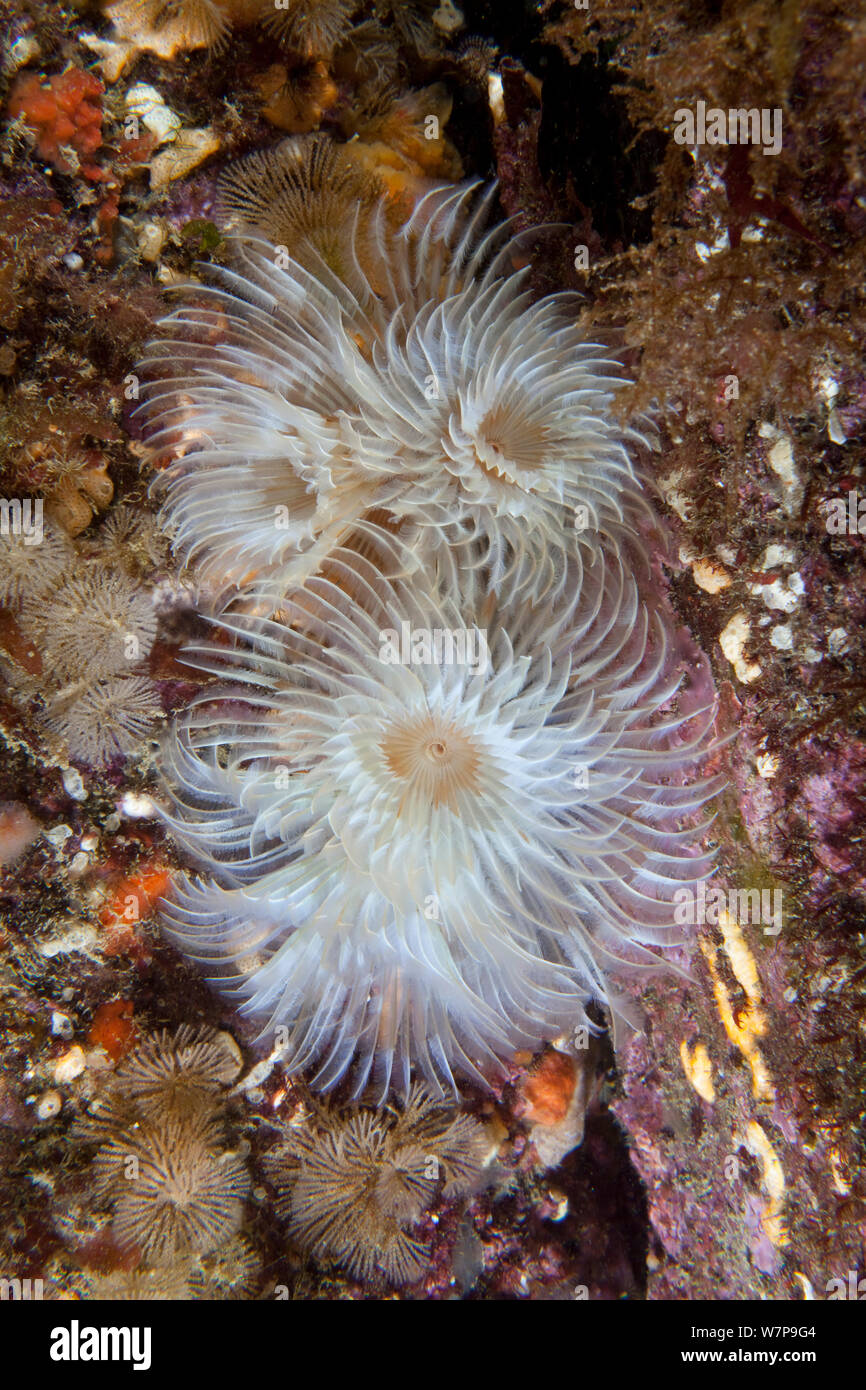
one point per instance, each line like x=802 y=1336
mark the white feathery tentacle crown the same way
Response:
x=446 y=786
